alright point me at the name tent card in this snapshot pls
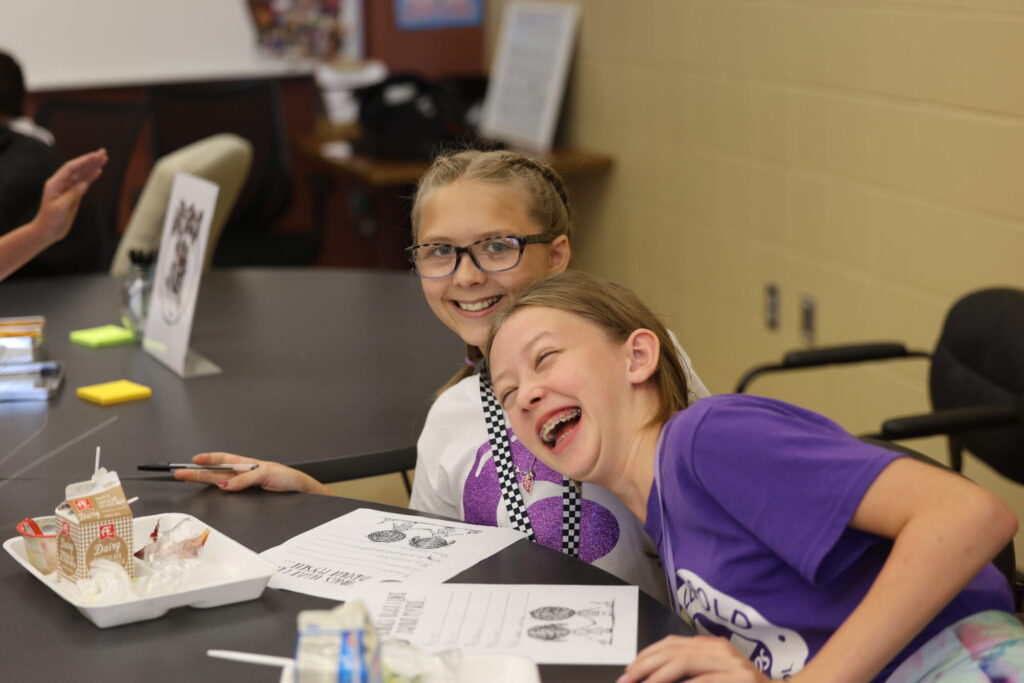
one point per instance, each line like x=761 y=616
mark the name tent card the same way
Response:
x=179 y=268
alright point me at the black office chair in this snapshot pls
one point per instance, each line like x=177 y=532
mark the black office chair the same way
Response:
x=976 y=383
x=81 y=126
x=182 y=114
x=976 y=380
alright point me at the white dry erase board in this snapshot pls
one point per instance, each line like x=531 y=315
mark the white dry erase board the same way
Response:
x=67 y=44
x=527 y=80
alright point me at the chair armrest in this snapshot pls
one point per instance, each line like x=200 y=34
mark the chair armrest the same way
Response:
x=848 y=353
x=359 y=466
x=952 y=421
x=831 y=355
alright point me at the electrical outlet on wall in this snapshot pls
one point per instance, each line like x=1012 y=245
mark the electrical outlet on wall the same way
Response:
x=771 y=306
x=808 y=319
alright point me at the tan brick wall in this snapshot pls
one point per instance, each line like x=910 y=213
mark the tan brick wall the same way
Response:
x=867 y=153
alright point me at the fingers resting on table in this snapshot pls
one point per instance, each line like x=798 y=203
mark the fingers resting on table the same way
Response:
x=704 y=659
x=270 y=476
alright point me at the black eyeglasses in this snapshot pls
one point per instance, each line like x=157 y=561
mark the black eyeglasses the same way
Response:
x=434 y=260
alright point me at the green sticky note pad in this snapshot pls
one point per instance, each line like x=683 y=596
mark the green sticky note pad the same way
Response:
x=118 y=391
x=104 y=335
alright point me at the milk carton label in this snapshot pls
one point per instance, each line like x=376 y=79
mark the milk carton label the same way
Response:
x=95 y=522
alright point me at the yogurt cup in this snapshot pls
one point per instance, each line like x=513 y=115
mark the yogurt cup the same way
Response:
x=41 y=548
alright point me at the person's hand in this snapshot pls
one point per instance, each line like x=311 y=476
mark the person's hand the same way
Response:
x=61 y=196
x=270 y=476
x=63 y=193
x=705 y=659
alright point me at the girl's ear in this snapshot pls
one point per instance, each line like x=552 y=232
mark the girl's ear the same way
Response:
x=558 y=255
x=644 y=352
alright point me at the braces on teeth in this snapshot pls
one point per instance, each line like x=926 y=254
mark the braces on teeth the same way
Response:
x=546 y=432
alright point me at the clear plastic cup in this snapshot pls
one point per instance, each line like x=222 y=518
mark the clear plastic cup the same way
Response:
x=40 y=542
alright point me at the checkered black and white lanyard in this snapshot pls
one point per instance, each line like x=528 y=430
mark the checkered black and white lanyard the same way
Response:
x=497 y=432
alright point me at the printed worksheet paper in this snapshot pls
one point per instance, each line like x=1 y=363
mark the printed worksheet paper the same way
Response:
x=369 y=546
x=548 y=624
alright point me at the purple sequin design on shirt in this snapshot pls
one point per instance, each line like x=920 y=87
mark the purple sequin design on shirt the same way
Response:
x=481 y=498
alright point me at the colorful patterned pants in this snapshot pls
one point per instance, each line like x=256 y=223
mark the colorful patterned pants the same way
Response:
x=987 y=647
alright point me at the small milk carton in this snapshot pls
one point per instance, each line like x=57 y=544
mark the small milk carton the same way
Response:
x=94 y=522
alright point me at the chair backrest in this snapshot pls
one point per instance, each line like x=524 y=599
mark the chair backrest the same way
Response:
x=81 y=126
x=223 y=159
x=979 y=360
x=182 y=114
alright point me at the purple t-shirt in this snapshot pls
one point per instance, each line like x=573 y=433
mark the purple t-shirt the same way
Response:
x=756 y=496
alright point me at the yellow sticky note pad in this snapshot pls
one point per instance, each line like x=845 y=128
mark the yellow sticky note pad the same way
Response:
x=117 y=391
x=104 y=335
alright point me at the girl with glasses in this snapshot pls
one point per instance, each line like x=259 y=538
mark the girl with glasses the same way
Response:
x=809 y=554
x=486 y=225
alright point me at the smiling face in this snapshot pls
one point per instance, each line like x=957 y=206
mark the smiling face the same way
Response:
x=575 y=397
x=462 y=213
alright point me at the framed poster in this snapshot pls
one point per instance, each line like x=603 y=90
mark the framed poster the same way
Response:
x=321 y=30
x=527 y=80
x=414 y=15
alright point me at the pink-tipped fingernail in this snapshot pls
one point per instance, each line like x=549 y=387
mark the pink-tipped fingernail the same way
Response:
x=223 y=484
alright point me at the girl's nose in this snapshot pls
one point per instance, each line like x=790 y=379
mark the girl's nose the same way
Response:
x=466 y=272
x=529 y=395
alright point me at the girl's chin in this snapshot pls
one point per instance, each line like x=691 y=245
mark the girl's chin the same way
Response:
x=567 y=465
x=474 y=337
x=474 y=331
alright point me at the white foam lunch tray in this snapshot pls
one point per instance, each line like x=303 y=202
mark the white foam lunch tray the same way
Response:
x=229 y=573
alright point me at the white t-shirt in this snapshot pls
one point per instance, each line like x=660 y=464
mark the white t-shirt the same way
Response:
x=27 y=126
x=456 y=476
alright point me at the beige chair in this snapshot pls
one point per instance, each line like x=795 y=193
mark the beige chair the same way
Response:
x=223 y=159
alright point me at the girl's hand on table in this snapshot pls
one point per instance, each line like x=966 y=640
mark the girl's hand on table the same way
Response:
x=705 y=659
x=270 y=476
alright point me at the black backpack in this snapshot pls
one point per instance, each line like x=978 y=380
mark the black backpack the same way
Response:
x=409 y=117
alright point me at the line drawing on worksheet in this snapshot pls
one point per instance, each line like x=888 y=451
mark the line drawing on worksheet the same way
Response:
x=595 y=622
x=440 y=535
x=370 y=546
x=493 y=618
x=557 y=624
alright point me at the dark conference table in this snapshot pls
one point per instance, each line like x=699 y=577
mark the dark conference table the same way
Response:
x=328 y=367
x=43 y=638
x=332 y=366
